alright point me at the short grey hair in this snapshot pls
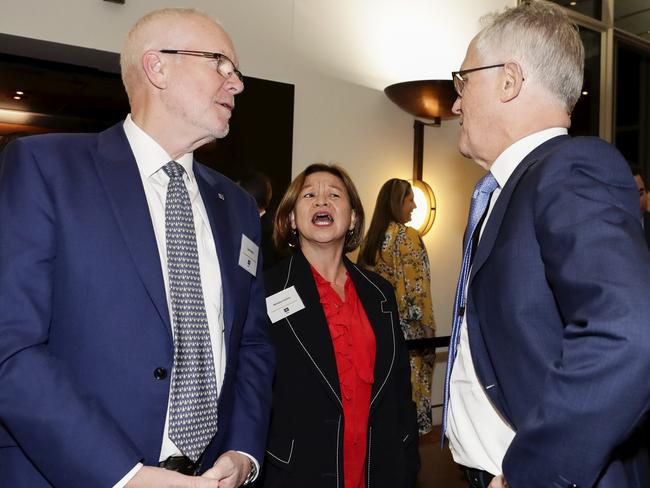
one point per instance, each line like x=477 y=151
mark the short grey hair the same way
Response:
x=540 y=36
x=147 y=33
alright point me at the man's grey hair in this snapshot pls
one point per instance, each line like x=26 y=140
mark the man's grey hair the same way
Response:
x=539 y=36
x=149 y=32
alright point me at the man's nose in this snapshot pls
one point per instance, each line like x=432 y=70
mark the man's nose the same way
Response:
x=234 y=84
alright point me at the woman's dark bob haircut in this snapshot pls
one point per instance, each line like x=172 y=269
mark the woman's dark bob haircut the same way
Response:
x=283 y=236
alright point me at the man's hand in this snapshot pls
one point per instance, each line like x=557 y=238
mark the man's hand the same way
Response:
x=150 y=477
x=231 y=469
x=498 y=482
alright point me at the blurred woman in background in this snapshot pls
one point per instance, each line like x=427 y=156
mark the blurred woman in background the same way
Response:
x=397 y=253
x=342 y=410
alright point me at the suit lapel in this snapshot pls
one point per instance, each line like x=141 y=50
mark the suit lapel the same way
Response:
x=493 y=224
x=383 y=325
x=119 y=174
x=222 y=232
x=309 y=325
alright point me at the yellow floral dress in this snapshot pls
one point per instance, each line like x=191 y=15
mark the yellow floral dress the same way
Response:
x=404 y=263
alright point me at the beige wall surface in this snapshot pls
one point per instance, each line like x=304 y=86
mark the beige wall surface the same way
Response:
x=340 y=113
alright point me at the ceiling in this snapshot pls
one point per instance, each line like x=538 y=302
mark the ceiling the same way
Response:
x=372 y=43
x=36 y=95
x=65 y=88
x=633 y=16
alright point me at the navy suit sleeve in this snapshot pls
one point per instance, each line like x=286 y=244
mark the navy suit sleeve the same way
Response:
x=71 y=439
x=248 y=428
x=596 y=264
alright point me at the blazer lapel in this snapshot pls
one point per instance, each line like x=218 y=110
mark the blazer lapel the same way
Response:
x=309 y=325
x=119 y=174
x=384 y=324
x=222 y=226
x=493 y=224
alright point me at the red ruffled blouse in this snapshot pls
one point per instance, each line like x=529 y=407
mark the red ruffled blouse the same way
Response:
x=354 y=347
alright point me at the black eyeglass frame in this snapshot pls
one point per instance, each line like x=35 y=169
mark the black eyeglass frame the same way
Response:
x=219 y=57
x=457 y=76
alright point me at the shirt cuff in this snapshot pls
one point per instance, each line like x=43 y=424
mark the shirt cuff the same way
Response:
x=129 y=476
x=257 y=465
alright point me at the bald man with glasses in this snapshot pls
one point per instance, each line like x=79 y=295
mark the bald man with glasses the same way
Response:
x=133 y=342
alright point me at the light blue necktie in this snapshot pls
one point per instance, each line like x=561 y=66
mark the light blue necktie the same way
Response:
x=480 y=199
x=193 y=399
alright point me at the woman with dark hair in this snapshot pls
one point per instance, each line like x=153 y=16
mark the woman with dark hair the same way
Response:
x=342 y=411
x=396 y=252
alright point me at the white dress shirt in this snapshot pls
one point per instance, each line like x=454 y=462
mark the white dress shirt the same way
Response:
x=150 y=158
x=478 y=435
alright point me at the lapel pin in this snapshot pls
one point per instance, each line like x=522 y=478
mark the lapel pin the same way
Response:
x=220 y=195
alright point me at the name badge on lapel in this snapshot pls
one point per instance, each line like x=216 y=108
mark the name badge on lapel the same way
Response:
x=282 y=304
x=248 y=255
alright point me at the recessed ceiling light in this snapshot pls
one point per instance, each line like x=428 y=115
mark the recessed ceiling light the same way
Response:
x=18 y=92
x=17 y=97
x=573 y=4
x=585 y=92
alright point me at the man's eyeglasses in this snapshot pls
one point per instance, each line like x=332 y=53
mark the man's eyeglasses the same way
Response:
x=459 y=76
x=225 y=67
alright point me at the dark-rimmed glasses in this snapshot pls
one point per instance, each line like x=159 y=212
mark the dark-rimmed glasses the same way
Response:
x=459 y=80
x=225 y=67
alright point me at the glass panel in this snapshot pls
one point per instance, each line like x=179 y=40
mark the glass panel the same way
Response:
x=633 y=16
x=586 y=115
x=631 y=124
x=592 y=8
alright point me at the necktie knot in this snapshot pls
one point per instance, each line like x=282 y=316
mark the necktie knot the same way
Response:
x=173 y=170
x=487 y=184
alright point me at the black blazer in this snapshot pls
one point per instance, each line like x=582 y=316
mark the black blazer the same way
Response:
x=305 y=446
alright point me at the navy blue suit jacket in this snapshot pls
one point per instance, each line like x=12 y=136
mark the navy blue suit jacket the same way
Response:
x=84 y=319
x=558 y=306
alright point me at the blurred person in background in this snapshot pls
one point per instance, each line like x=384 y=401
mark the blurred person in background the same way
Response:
x=259 y=186
x=396 y=252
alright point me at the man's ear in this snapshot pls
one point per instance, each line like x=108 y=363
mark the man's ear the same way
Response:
x=512 y=82
x=155 y=69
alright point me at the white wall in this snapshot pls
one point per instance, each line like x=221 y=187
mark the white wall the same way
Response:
x=335 y=119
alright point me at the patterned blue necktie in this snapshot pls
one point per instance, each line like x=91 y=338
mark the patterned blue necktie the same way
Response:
x=480 y=200
x=193 y=399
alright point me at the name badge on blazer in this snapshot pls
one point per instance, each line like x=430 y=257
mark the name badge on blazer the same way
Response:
x=248 y=255
x=282 y=304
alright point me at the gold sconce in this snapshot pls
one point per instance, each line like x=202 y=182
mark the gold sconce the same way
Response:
x=431 y=100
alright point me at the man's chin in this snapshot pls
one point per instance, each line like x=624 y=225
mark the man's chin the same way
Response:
x=464 y=150
x=220 y=134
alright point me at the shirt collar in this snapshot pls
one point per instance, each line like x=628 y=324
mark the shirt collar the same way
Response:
x=149 y=155
x=509 y=159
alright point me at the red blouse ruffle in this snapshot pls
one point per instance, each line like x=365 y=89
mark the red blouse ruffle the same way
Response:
x=354 y=348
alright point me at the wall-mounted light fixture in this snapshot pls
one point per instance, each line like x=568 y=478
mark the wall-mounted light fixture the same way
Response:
x=431 y=100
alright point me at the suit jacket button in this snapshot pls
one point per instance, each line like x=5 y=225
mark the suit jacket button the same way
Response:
x=160 y=373
x=572 y=485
